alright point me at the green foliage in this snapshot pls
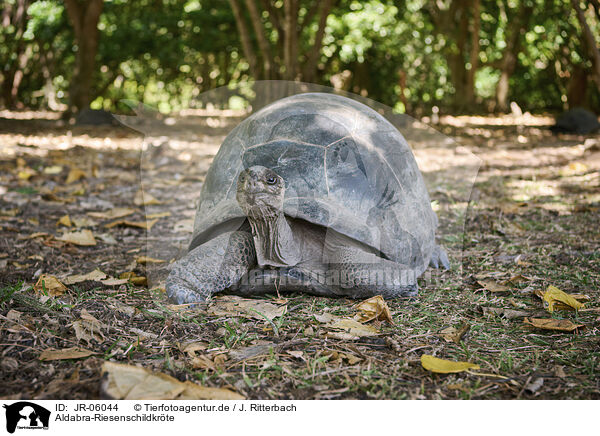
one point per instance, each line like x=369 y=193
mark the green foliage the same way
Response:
x=167 y=52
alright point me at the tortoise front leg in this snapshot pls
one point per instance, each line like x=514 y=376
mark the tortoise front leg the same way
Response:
x=212 y=267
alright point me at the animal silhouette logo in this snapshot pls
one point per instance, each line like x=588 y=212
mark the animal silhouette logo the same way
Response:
x=26 y=415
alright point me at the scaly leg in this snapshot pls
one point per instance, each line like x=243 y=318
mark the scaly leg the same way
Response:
x=212 y=267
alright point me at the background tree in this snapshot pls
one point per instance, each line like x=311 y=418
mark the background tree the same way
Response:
x=84 y=17
x=459 y=55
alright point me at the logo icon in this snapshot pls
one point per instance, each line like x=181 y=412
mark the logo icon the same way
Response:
x=26 y=415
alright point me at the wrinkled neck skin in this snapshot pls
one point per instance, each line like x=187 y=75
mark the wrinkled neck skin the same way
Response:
x=274 y=240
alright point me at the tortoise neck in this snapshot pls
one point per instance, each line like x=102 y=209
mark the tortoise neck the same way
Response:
x=274 y=241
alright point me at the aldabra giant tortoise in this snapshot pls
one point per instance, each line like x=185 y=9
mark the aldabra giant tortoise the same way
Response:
x=315 y=193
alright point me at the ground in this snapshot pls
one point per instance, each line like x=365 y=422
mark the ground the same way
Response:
x=531 y=222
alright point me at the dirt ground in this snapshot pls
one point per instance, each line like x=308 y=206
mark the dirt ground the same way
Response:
x=530 y=222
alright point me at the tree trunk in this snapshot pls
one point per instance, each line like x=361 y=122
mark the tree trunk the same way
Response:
x=576 y=91
x=244 y=37
x=263 y=43
x=312 y=61
x=15 y=15
x=516 y=28
x=474 y=54
x=590 y=42
x=84 y=17
x=290 y=44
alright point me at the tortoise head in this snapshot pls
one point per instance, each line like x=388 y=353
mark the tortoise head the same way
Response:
x=260 y=192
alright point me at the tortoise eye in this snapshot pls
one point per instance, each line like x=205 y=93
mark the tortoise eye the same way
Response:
x=271 y=180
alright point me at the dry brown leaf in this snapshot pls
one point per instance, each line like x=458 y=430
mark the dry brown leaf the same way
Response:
x=143 y=260
x=203 y=362
x=443 y=366
x=49 y=285
x=453 y=334
x=519 y=278
x=88 y=328
x=506 y=313
x=64 y=221
x=373 y=308
x=125 y=382
x=111 y=281
x=65 y=353
x=82 y=237
x=144 y=199
x=352 y=327
x=492 y=286
x=563 y=325
x=95 y=275
x=238 y=306
x=83 y=222
x=111 y=214
x=158 y=215
x=133 y=278
x=75 y=174
x=192 y=347
x=139 y=224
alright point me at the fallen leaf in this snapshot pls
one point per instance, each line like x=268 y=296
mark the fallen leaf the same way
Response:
x=554 y=295
x=353 y=327
x=55 y=169
x=492 y=286
x=64 y=221
x=563 y=325
x=296 y=353
x=535 y=385
x=443 y=366
x=95 y=275
x=111 y=281
x=13 y=315
x=373 y=308
x=126 y=382
x=74 y=175
x=142 y=260
x=82 y=237
x=453 y=334
x=238 y=306
x=506 y=313
x=26 y=173
x=144 y=199
x=49 y=285
x=192 y=347
x=83 y=222
x=88 y=328
x=516 y=279
x=65 y=353
x=140 y=224
x=117 y=212
x=158 y=215
x=133 y=278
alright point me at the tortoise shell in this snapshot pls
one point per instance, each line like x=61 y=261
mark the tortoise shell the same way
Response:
x=345 y=167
